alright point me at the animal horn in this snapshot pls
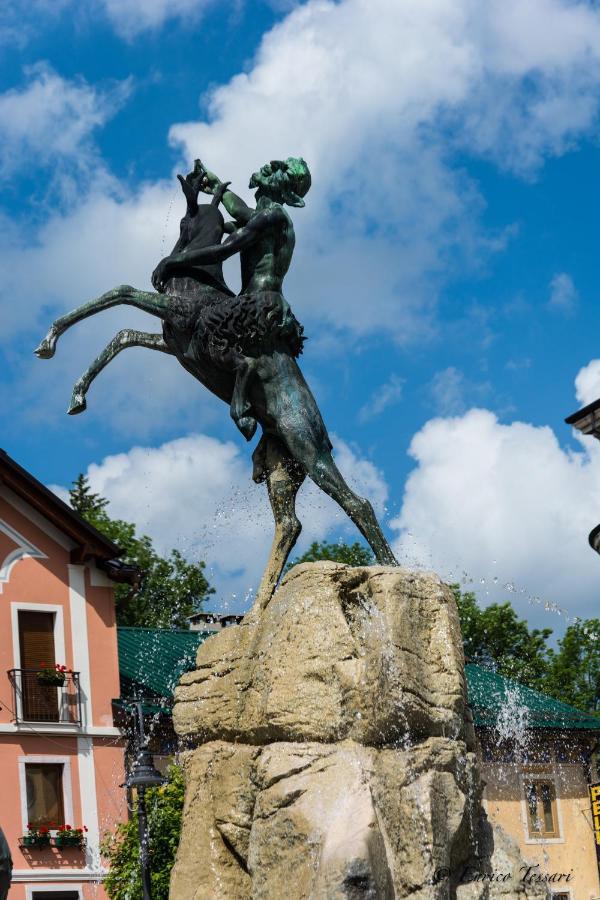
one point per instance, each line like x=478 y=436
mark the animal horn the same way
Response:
x=191 y=194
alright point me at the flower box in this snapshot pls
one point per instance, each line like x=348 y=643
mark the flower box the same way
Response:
x=51 y=679
x=70 y=837
x=69 y=840
x=52 y=676
x=36 y=840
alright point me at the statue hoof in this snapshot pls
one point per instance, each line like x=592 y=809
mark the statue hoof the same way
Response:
x=46 y=349
x=77 y=405
x=247 y=425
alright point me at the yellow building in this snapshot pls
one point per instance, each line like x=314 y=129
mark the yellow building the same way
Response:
x=536 y=756
x=538 y=764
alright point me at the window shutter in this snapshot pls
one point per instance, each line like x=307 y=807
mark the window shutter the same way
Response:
x=36 y=638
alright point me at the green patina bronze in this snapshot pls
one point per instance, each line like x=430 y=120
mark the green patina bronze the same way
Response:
x=242 y=348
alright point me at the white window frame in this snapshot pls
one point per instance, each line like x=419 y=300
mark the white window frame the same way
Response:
x=59 y=639
x=67 y=783
x=31 y=889
x=553 y=779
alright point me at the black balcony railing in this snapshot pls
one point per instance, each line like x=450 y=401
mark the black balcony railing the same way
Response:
x=34 y=701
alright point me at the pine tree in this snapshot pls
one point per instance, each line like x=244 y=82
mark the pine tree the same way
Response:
x=83 y=500
x=171 y=590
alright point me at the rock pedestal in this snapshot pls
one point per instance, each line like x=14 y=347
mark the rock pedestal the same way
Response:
x=333 y=753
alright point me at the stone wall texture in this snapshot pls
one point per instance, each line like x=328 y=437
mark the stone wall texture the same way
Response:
x=332 y=752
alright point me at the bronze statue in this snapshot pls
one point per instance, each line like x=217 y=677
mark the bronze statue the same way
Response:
x=242 y=348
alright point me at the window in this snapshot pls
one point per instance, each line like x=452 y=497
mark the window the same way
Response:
x=36 y=638
x=44 y=784
x=542 y=820
x=36 y=646
x=56 y=895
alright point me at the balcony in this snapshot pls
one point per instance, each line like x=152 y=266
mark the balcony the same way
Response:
x=35 y=702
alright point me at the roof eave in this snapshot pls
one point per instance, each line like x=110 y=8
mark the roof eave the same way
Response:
x=90 y=543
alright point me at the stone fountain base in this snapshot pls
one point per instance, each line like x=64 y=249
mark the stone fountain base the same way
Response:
x=334 y=753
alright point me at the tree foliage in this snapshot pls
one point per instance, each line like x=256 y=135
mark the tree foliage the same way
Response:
x=574 y=671
x=352 y=554
x=496 y=636
x=172 y=588
x=121 y=849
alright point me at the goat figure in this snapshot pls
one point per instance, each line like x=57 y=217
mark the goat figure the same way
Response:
x=242 y=348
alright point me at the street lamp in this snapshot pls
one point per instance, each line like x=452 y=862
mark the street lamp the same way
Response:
x=143 y=775
x=587 y=421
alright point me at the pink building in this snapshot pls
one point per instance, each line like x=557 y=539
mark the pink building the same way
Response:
x=61 y=756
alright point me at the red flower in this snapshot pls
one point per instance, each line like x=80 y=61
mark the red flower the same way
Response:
x=68 y=827
x=43 y=830
x=42 y=665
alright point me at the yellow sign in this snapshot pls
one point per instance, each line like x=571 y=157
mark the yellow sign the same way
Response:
x=595 y=801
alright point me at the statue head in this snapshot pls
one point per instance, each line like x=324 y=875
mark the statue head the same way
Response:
x=285 y=181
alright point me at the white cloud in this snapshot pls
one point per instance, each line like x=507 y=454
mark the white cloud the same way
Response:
x=49 y=121
x=18 y=24
x=131 y=17
x=386 y=395
x=506 y=505
x=587 y=383
x=382 y=82
x=107 y=240
x=376 y=94
x=563 y=293
x=450 y=391
x=196 y=494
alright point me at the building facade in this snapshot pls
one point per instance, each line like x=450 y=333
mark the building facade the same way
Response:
x=538 y=761
x=537 y=755
x=61 y=756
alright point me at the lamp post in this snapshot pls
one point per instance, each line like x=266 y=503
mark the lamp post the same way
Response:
x=143 y=775
x=587 y=421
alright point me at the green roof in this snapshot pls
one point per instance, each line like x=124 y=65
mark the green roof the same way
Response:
x=492 y=695
x=152 y=660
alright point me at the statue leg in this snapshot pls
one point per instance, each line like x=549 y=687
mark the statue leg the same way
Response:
x=328 y=477
x=284 y=477
x=125 y=338
x=156 y=304
x=286 y=401
x=241 y=408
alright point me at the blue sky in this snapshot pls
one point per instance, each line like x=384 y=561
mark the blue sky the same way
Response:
x=445 y=271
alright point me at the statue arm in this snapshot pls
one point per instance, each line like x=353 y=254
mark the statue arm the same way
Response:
x=234 y=205
x=242 y=238
x=236 y=208
x=178 y=263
